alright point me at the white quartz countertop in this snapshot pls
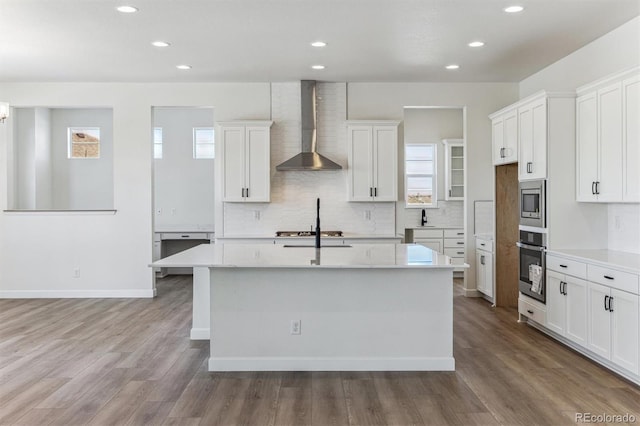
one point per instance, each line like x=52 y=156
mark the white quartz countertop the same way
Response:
x=629 y=262
x=279 y=256
x=344 y=235
x=484 y=236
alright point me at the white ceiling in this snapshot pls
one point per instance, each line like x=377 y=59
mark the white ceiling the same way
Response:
x=268 y=40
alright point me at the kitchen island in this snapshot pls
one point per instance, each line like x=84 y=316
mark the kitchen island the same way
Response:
x=361 y=307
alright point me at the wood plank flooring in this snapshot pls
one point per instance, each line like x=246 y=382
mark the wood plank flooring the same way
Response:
x=130 y=362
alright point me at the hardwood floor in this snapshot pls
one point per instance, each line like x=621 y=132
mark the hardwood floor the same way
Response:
x=130 y=362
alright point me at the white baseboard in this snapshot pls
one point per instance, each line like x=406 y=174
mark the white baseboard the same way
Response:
x=76 y=294
x=331 y=364
x=199 y=334
x=471 y=292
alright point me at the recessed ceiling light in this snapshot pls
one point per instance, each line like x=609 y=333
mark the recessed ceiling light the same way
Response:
x=452 y=67
x=318 y=44
x=160 y=43
x=317 y=67
x=127 y=9
x=476 y=44
x=183 y=67
x=513 y=9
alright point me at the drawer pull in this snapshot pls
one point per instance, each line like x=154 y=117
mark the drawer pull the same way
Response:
x=460 y=252
x=184 y=236
x=608 y=277
x=482 y=244
x=530 y=311
x=460 y=242
x=460 y=233
x=563 y=266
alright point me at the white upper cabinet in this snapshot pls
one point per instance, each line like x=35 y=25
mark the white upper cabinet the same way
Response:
x=505 y=137
x=454 y=169
x=373 y=159
x=608 y=140
x=631 y=139
x=532 y=136
x=244 y=149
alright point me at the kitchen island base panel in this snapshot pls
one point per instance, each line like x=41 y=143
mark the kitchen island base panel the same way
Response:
x=351 y=319
x=331 y=364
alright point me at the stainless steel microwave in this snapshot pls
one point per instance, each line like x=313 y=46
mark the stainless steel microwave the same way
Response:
x=533 y=203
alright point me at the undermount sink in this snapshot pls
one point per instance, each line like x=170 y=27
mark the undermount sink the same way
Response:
x=311 y=245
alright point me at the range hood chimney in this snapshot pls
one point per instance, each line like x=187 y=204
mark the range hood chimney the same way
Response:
x=308 y=159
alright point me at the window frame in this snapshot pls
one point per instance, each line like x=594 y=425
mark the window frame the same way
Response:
x=158 y=144
x=70 y=143
x=195 y=143
x=433 y=175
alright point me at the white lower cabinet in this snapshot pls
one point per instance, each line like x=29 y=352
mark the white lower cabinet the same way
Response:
x=598 y=309
x=567 y=306
x=613 y=325
x=484 y=266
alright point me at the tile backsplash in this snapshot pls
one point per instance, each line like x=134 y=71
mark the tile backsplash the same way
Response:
x=448 y=213
x=294 y=193
x=624 y=228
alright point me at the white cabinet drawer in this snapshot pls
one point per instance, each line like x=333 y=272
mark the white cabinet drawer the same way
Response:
x=454 y=243
x=457 y=261
x=483 y=244
x=427 y=233
x=185 y=236
x=454 y=233
x=566 y=266
x=612 y=278
x=454 y=253
x=532 y=311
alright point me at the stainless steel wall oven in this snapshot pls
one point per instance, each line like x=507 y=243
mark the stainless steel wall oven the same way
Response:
x=532 y=247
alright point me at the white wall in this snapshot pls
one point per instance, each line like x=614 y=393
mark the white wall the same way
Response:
x=25 y=158
x=43 y=163
x=387 y=101
x=614 y=52
x=82 y=183
x=39 y=251
x=183 y=186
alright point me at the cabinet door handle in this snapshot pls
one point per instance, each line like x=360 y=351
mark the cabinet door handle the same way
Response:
x=375 y=192
x=370 y=192
x=247 y=192
x=610 y=304
x=560 y=287
x=529 y=167
x=501 y=152
x=242 y=192
x=608 y=277
x=597 y=188
x=606 y=308
x=593 y=186
x=449 y=193
x=482 y=260
x=565 y=288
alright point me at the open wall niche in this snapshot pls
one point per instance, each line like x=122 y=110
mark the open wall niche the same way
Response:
x=61 y=159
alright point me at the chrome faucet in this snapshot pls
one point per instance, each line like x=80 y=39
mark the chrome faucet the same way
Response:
x=423 y=221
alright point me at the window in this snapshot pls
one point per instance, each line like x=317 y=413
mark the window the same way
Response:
x=420 y=175
x=84 y=142
x=157 y=143
x=203 y=143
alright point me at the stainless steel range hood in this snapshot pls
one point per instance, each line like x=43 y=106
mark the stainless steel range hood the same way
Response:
x=308 y=159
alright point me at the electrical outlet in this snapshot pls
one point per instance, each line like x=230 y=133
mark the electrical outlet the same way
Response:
x=173 y=212
x=295 y=327
x=256 y=214
x=367 y=215
x=76 y=272
x=616 y=220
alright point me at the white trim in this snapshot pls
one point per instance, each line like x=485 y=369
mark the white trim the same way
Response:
x=611 y=78
x=199 y=334
x=76 y=294
x=331 y=364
